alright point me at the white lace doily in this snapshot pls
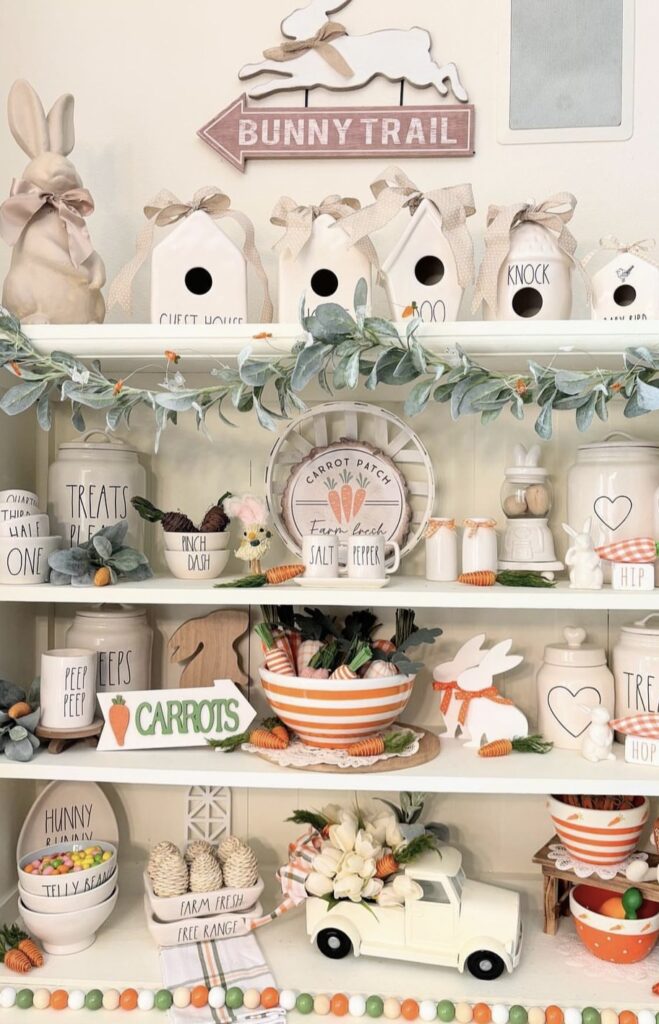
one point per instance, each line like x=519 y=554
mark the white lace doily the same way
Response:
x=569 y=945
x=566 y=862
x=299 y=755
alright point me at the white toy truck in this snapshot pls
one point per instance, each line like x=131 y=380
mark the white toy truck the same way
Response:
x=457 y=922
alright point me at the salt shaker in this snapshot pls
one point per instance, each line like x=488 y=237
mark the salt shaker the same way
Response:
x=441 y=550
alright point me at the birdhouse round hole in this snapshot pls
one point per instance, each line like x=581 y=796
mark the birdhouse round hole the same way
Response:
x=527 y=302
x=624 y=295
x=429 y=270
x=198 y=281
x=324 y=282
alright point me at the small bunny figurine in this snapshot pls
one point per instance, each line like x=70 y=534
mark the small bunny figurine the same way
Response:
x=584 y=562
x=256 y=536
x=597 y=744
x=55 y=275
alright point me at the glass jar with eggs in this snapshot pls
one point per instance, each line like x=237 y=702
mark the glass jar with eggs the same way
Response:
x=526 y=500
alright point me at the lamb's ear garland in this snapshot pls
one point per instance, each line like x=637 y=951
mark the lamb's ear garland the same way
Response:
x=27 y=119
x=60 y=125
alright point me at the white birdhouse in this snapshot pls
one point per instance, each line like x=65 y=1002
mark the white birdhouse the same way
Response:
x=421 y=269
x=627 y=288
x=326 y=270
x=198 y=276
x=535 y=280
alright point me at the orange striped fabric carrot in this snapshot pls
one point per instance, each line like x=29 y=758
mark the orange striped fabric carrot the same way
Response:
x=483 y=578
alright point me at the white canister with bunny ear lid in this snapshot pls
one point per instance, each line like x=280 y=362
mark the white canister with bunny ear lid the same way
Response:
x=573 y=678
x=535 y=279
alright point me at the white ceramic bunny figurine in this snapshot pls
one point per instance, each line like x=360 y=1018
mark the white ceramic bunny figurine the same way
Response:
x=584 y=562
x=488 y=714
x=597 y=744
x=55 y=275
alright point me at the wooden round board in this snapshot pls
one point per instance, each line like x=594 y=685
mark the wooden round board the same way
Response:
x=428 y=751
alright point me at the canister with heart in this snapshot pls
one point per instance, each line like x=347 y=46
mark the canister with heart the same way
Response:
x=573 y=679
x=636 y=667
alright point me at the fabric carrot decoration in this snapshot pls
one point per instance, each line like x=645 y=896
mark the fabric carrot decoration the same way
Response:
x=640 y=550
x=392 y=743
x=381 y=669
x=271 y=577
x=394 y=860
x=277 y=659
x=306 y=651
x=346 y=494
x=333 y=499
x=270 y=735
x=17 y=939
x=522 y=744
x=350 y=670
x=359 y=496
x=484 y=578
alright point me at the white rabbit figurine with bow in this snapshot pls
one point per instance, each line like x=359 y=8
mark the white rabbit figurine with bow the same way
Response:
x=55 y=275
x=583 y=561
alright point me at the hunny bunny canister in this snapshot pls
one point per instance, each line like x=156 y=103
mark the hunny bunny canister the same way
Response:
x=636 y=668
x=90 y=486
x=573 y=678
x=123 y=641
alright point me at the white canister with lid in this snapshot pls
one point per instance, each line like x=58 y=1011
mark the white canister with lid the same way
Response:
x=90 y=486
x=479 y=545
x=441 y=550
x=123 y=641
x=572 y=678
x=636 y=668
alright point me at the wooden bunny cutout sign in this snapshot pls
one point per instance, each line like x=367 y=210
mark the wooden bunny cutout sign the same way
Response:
x=55 y=275
x=471 y=704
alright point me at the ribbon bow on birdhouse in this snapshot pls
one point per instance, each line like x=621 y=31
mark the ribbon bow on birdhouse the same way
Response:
x=298 y=221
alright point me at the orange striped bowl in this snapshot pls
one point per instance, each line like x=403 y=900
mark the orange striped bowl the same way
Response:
x=598 y=837
x=336 y=712
x=610 y=938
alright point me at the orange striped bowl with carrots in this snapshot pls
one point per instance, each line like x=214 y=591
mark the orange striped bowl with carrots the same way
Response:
x=336 y=712
x=599 y=836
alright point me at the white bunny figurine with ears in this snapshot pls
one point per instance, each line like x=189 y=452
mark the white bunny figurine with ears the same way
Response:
x=55 y=275
x=446 y=680
x=597 y=744
x=584 y=562
x=488 y=715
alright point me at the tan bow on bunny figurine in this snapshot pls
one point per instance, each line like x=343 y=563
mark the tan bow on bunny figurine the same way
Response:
x=55 y=275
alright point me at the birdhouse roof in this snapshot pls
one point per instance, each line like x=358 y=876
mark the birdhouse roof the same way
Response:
x=204 y=233
x=425 y=212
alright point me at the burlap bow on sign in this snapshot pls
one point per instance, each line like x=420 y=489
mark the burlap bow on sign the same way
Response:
x=321 y=42
x=393 y=190
x=553 y=214
x=641 y=249
x=166 y=208
x=299 y=220
x=26 y=199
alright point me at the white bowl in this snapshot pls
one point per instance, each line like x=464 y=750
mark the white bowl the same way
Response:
x=16 y=496
x=196 y=541
x=25 y=559
x=85 y=897
x=56 y=886
x=200 y=565
x=9 y=511
x=61 y=934
x=31 y=525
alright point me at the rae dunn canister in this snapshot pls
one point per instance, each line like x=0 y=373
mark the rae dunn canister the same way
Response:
x=123 y=641
x=636 y=667
x=572 y=678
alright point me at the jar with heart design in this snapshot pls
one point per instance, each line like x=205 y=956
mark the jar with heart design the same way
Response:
x=573 y=679
x=614 y=483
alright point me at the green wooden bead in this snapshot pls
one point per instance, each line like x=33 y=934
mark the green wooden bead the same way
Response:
x=234 y=998
x=374 y=1006
x=304 y=1003
x=24 y=999
x=163 y=999
x=94 y=999
x=590 y=1015
x=446 y=1011
x=518 y=1015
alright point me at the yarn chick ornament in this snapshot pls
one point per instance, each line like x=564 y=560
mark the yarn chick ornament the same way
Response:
x=256 y=537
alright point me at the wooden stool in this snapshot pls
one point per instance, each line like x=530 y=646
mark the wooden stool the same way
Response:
x=60 y=739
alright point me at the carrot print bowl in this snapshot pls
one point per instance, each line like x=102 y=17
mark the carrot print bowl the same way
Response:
x=336 y=712
x=609 y=938
x=597 y=836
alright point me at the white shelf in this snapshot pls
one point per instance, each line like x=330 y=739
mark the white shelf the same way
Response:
x=403 y=590
x=454 y=770
x=124 y=954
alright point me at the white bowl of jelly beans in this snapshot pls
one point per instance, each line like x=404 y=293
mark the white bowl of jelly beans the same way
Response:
x=67 y=869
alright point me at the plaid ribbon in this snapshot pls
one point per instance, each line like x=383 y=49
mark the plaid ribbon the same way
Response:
x=292 y=876
x=638 y=549
x=644 y=725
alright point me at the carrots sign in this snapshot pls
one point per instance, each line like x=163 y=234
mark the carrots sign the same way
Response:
x=148 y=719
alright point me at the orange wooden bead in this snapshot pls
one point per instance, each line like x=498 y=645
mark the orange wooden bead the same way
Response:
x=269 y=998
x=409 y=1009
x=199 y=996
x=627 y=1017
x=128 y=999
x=339 y=1004
x=59 y=999
x=482 y=1013
x=554 y=1015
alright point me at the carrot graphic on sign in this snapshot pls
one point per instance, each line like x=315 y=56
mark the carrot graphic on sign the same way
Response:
x=346 y=494
x=333 y=499
x=119 y=718
x=360 y=494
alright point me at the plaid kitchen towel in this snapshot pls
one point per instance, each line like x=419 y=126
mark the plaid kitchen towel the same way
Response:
x=644 y=725
x=639 y=549
x=237 y=961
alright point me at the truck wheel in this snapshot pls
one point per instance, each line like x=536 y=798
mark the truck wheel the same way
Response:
x=485 y=966
x=333 y=943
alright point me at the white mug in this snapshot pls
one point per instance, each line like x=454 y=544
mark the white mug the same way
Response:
x=320 y=554
x=37 y=525
x=366 y=556
x=68 y=688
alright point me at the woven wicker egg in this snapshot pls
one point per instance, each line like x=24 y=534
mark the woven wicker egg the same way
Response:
x=205 y=873
x=197 y=847
x=227 y=847
x=160 y=850
x=170 y=875
x=241 y=869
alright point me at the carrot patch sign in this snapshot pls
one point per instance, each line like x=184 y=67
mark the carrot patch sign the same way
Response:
x=148 y=719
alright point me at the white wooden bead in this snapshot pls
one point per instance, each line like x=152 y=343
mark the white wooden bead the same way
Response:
x=463 y=1013
x=391 y=1008
x=181 y=997
x=251 y=998
x=356 y=1006
x=146 y=999
x=537 y=1015
x=41 y=999
x=7 y=997
x=645 y=1017
x=499 y=1014
x=572 y=1015
x=427 y=1009
x=287 y=999
x=76 y=999
x=111 y=999
x=321 y=1005
x=609 y=1016
x=216 y=997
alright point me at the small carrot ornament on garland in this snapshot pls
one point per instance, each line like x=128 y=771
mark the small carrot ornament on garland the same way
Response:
x=522 y=744
x=270 y=735
x=375 y=746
